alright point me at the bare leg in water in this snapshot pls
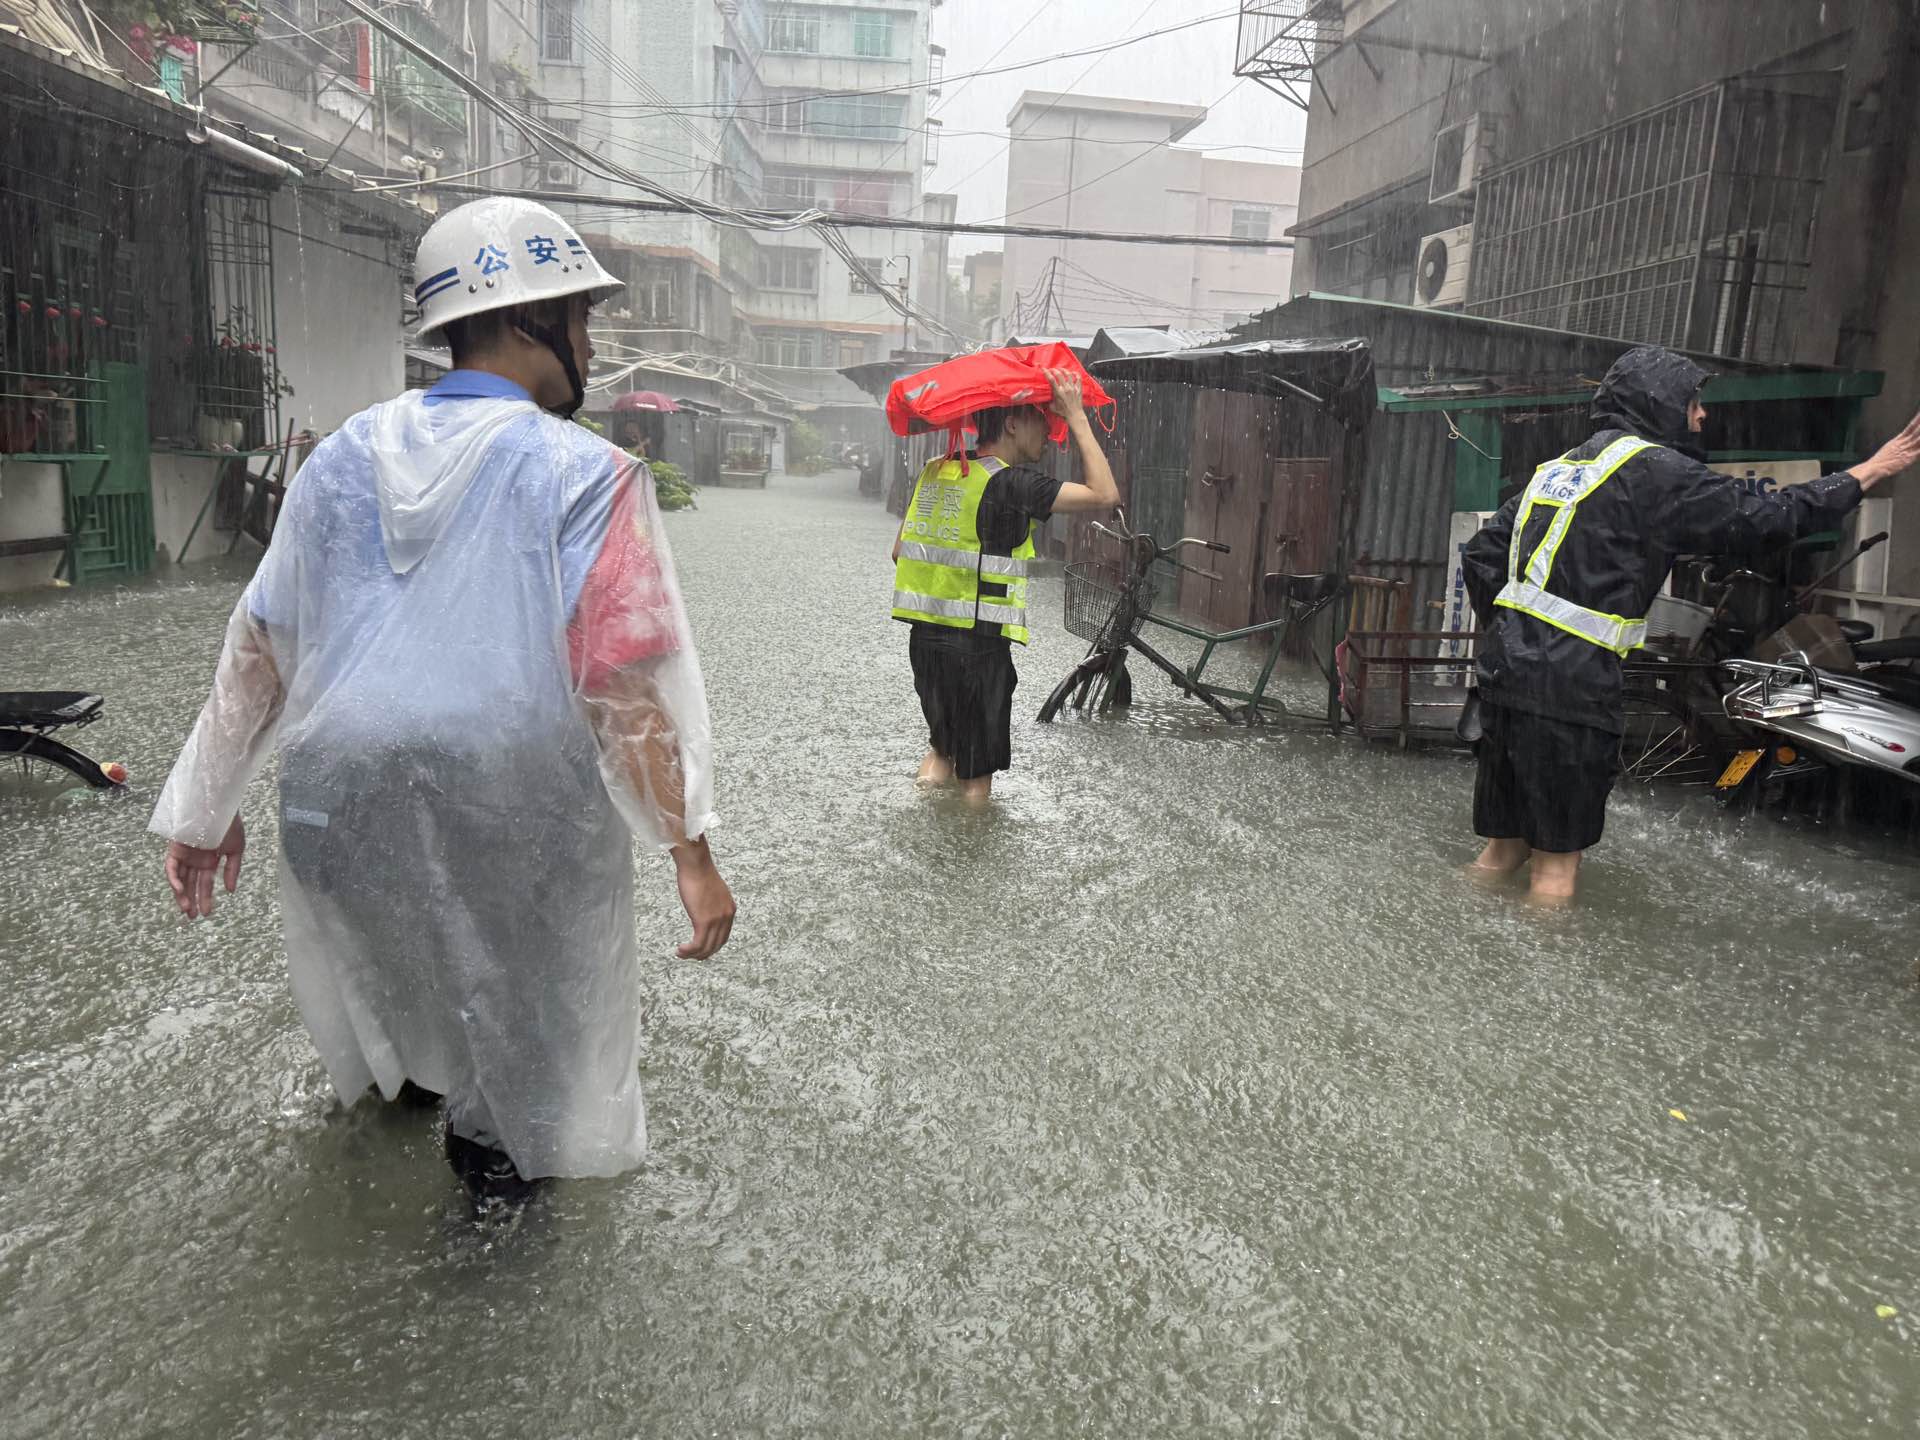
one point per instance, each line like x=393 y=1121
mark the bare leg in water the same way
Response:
x=1554 y=875
x=1500 y=858
x=936 y=769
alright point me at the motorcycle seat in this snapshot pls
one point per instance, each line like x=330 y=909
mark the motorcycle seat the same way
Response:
x=1903 y=647
x=45 y=709
x=1855 y=632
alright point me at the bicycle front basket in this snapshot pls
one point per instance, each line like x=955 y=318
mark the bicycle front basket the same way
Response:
x=1099 y=606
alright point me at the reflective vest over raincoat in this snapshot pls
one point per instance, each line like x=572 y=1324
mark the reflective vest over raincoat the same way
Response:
x=460 y=591
x=943 y=577
x=1562 y=576
x=1557 y=488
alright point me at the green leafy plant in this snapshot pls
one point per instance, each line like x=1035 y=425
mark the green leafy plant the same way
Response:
x=670 y=486
x=806 y=449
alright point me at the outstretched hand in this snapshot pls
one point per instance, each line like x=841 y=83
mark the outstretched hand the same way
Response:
x=190 y=870
x=1890 y=459
x=1067 y=399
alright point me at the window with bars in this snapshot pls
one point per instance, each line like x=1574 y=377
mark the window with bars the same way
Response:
x=790 y=268
x=858 y=286
x=789 y=349
x=1251 y=222
x=794 y=32
x=857 y=117
x=873 y=35
x=559 y=20
x=1688 y=225
x=861 y=196
x=652 y=293
x=789 y=191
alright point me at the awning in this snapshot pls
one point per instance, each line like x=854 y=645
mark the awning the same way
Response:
x=1336 y=375
x=1119 y=340
x=877 y=376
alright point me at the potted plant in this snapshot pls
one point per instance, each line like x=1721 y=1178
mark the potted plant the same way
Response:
x=234 y=375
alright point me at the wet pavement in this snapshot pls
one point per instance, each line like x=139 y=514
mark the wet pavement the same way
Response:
x=1189 y=1090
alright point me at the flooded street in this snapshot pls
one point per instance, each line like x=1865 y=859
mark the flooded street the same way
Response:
x=1189 y=1090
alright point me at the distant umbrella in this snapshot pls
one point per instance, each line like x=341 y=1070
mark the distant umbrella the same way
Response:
x=646 y=400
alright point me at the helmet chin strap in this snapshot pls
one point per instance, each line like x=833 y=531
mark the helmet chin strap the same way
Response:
x=557 y=341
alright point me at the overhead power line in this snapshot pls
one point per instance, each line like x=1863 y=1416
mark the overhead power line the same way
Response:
x=836 y=220
x=906 y=87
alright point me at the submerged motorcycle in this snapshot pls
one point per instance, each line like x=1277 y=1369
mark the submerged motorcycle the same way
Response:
x=1867 y=717
x=33 y=761
x=1819 y=692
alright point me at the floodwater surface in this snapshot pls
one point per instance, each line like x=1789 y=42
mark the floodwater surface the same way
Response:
x=1188 y=1090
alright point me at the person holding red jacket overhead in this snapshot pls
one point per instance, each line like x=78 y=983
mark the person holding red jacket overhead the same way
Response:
x=961 y=570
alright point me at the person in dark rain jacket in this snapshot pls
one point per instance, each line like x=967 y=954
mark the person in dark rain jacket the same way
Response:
x=1561 y=580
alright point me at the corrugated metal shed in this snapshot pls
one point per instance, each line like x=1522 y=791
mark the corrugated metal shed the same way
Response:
x=1515 y=396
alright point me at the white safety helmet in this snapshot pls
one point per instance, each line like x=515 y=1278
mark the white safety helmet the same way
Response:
x=496 y=252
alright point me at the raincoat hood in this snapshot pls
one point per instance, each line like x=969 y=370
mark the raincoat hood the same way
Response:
x=1647 y=393
x=424 y=459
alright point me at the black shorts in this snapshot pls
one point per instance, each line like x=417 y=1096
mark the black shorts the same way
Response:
x=1542 y=781
x=965 y=683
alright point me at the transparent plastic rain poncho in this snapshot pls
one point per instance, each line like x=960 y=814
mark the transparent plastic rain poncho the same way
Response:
x=468 y=644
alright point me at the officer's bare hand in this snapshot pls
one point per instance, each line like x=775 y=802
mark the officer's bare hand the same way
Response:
x=708 y=901
x=191 y=870
x=1890 y=459
x=1067 y=393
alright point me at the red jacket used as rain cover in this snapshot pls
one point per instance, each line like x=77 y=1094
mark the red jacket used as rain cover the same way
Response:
x=941 y=398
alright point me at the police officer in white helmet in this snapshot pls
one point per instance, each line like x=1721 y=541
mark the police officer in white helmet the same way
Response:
x=467 y=645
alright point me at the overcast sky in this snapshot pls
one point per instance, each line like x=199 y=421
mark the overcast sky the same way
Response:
x=1194 y=67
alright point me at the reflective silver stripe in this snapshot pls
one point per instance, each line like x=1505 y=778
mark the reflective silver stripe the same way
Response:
x=1609 y=632
x=967 y=560
x=932 y=605
x=1541 y=565
x=1003 y=614
x=937 y=555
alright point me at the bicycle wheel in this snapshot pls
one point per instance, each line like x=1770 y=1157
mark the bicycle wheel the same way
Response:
x=1078 y=679
x=1119 y=688
x=36 y=765
x=1664 y=743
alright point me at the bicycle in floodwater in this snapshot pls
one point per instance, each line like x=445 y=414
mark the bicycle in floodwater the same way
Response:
x=1107 y=604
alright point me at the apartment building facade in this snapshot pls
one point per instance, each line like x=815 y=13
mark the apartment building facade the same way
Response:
x=1100 y=163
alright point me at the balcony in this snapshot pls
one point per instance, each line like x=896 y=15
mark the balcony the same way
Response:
x=1282 y=40
x=410 y=81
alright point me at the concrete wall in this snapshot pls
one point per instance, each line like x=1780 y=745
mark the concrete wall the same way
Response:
x=337 y=302
x=30 y=508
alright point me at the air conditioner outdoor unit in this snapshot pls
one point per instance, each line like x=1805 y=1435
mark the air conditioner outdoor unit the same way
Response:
x=1459 y=155
x=1440 y=269
x=559 y=175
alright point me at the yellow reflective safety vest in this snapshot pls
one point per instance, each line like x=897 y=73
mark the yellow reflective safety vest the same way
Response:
x=942 y=577
x=1561 y=485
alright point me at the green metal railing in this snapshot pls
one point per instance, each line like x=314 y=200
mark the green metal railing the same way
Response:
x=411 y=81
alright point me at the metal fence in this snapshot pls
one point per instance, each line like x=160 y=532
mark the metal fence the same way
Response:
x=1689 y=225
